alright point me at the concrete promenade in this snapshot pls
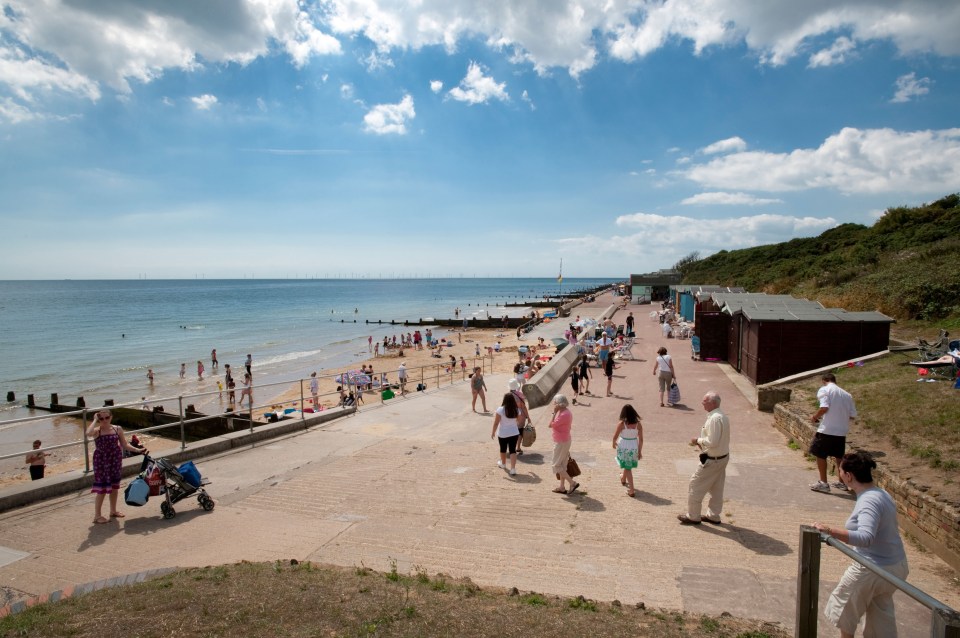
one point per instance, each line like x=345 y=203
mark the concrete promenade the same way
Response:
x=415 y=481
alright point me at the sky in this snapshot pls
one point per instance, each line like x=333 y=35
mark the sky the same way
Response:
x=430 y=138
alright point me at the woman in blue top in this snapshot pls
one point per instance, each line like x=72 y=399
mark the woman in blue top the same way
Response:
x=872 y=531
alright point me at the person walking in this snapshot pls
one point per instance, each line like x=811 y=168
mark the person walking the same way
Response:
x=249 y=364
x=560 y=426
x=628 y=442
x=630 y=325
x=477 y=386
x=214 y=364
x=873 y=532
x=200 y=370
x=110 y=443
x=711 y=474
x=585 y=374
x=247 y=390
x=575 y=384
x=836 y=411
x=506 y=429
x=608 y=371
x=183 y=370
x=663 y=370
x=514 y=387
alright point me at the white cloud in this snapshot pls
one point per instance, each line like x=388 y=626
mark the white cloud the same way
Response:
x=261 y=105
x=15 y=113
x=852 y=161
x=725 y=146
x=346 y=90
x=526 y=98
x=729 y=199
x=725 y=233
x=166 y=101
x=908 y=86
x=76 y=47
x=836 y=54
x=477 y=88
x=385 y=119
x=27 y=76
x=436 y=86
x=777 y=31
x=204 y=102
x=86 y=44
x=662 y=239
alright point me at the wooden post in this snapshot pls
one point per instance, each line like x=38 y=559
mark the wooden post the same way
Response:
x=808 y=583
x=945 y=623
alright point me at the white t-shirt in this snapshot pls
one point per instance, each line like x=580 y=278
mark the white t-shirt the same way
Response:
x=402 y=372
x=507 y=427
x=314 y=385
x=667 y=329
x=840 y=410
x=663 y=363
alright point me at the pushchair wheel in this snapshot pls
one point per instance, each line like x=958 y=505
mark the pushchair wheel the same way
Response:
x=206 y=503
x=167 y=511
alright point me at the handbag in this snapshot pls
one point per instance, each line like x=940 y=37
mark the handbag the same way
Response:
x=572 y=468
x=137 y=493
x=674 y=395
x=529 y=435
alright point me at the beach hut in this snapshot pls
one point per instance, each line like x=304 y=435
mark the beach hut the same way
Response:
x=769 y=337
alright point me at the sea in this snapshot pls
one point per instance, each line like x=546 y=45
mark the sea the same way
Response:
x=97 y=339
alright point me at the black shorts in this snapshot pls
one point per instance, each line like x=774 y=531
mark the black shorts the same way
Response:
x=828 y=445
x=508 y=444
x=36 y=472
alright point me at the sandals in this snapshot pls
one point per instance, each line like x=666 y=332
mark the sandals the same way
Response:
x=117 y=515
x=556 y=490
x=631 y=493
x=100 y=520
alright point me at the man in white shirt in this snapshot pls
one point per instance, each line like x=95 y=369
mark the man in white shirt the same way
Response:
x=836 y=410
x=711 y=474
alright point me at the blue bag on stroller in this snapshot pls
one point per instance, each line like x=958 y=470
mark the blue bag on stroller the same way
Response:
x=190 y=473
x=137 y=492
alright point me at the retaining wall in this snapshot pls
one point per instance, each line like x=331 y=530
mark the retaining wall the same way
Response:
x=936 y=525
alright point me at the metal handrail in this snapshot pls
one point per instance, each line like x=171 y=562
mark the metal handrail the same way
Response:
x=944 y=621
x=83 y=413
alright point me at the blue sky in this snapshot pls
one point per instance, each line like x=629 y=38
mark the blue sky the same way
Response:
x=234 y=138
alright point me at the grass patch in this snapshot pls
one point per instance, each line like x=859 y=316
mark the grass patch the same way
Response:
x=276 y=599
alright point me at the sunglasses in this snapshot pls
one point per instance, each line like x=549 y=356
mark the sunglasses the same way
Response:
x=103 y=418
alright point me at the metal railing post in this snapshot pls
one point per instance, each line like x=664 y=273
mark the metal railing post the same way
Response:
x=302 y=404
x=250 y=405
x=808 y=583
x=183 y=433
x=86 y=445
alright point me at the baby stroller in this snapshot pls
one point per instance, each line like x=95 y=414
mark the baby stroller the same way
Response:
x=179 y=483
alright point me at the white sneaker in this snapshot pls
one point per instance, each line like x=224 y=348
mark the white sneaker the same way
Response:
x=513 y=472
x=820 y=486
x=503 y=467
x=840 y=486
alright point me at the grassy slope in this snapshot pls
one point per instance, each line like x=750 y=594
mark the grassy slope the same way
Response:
x=907 y=265
x=278 y=599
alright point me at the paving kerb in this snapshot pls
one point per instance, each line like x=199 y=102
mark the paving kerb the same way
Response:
x=414 y=482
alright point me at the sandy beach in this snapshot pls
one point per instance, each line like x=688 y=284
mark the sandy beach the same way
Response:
x=422 y=366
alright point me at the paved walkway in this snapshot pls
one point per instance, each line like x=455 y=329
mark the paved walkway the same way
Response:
x=415 y=481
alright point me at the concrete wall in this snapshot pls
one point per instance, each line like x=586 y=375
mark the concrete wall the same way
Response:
x=540 y=389
x=935 y=524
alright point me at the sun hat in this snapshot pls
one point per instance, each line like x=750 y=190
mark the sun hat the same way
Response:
x=513 y=384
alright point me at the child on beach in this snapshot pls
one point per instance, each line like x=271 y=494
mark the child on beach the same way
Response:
x=37 y=460
x=183 y=370
x=220 y=388
x=200 y=369
x=628 y=442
